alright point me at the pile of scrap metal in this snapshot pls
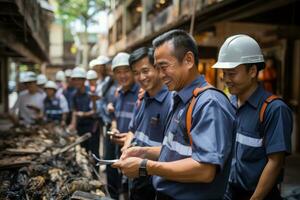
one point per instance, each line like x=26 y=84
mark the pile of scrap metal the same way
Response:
x=46 y=162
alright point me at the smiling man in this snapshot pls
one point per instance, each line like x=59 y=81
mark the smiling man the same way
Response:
x=148 y=123
x=264 y=139
x=123 y=110
x=182 y=169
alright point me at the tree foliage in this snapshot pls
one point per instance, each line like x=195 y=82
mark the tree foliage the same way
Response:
x=83 y=10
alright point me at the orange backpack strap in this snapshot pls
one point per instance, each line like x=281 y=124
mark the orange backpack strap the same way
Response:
x=188 y=119
x=264 y=106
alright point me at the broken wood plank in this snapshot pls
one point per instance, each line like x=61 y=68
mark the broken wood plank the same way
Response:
x=17 y=164
x=79 y=140
x=22 y=151
x=80 y=195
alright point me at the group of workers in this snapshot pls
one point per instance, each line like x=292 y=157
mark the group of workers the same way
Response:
x=176 y=136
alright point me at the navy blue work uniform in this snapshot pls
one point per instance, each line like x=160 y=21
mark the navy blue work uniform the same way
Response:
x=212 y=132
x=69 y=93
x=82 y=102
x=255 y=141
x=124 y=108
x=108 y=96
x=52 y=109
x=148 y=126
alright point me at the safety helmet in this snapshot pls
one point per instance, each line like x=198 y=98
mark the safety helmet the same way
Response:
x=51 y=85
x=101 y=60
x=237 y=50
x=60 y=76
x=22 y=77
x=29 y=77
x=91 y=74
x=68 y=73
x=121 y=59
x=41 y=79
x=78 y=72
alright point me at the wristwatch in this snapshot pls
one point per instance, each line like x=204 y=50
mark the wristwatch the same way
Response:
x=143 y=168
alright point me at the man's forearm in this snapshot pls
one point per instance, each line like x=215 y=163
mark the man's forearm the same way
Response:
x=185 y=170
x=269 y=176
x=152 y=153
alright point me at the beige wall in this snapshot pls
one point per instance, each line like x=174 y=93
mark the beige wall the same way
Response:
x=56 y=43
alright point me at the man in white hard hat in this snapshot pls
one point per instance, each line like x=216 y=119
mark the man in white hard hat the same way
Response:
x=69 y=92
x=99 y=65
x=55 y=108
x=83 y=111
x=29 y=103
x=60 y=82
x=264 y=123
x=41 y=80
x=92 y=77
x=123 y=111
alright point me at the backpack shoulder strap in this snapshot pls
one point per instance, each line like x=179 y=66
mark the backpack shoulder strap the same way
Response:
x=264 y=106
x=188 y=119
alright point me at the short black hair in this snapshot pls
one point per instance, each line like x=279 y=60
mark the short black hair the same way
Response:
x=259 y=66
x=141 y=53
x=182 y=43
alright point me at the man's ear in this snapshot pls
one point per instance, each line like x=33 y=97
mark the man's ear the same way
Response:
x=189 y=59
x=253 y=71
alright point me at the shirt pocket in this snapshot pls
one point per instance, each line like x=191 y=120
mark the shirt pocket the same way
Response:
x=250 y=146
x=179 y=129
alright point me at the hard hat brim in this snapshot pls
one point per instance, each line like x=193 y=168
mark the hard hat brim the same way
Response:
x=226 y=65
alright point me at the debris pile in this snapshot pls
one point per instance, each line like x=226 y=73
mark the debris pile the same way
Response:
x=45 y=162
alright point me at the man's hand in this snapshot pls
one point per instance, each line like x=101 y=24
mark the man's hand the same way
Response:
x=129 y=166
x=134 y=152
x=127 y=143
x=71 y=128
x=110 y=108
x=80 y=114
x=119 y=138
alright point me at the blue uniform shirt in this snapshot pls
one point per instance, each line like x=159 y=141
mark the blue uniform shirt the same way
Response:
x=124 y=107
x=69 y=93
x=212 y=130
x=107 y=96
x=255 y=140
x=82 y=102
x=149 y=122
x=52 y=109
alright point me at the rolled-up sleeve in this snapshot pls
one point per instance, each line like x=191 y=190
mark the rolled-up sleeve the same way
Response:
x=212 y=133
x=278 y=125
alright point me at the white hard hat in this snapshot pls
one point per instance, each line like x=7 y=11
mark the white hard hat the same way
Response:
x=68 y=72
x=29 y=77
x=50 y=84
x=60 y=76
x=121 y=59
x=22 y=77
x=101 y=60
x=41 y=79
x=78 y=72
x=237 y=50
x=91 y=74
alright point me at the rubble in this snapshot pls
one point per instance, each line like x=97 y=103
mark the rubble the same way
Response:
x=45 y=162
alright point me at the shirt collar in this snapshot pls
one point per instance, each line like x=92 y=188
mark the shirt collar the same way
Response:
x=133 y=89
x=160 y=96
x=186 y=93
x=254 y=100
